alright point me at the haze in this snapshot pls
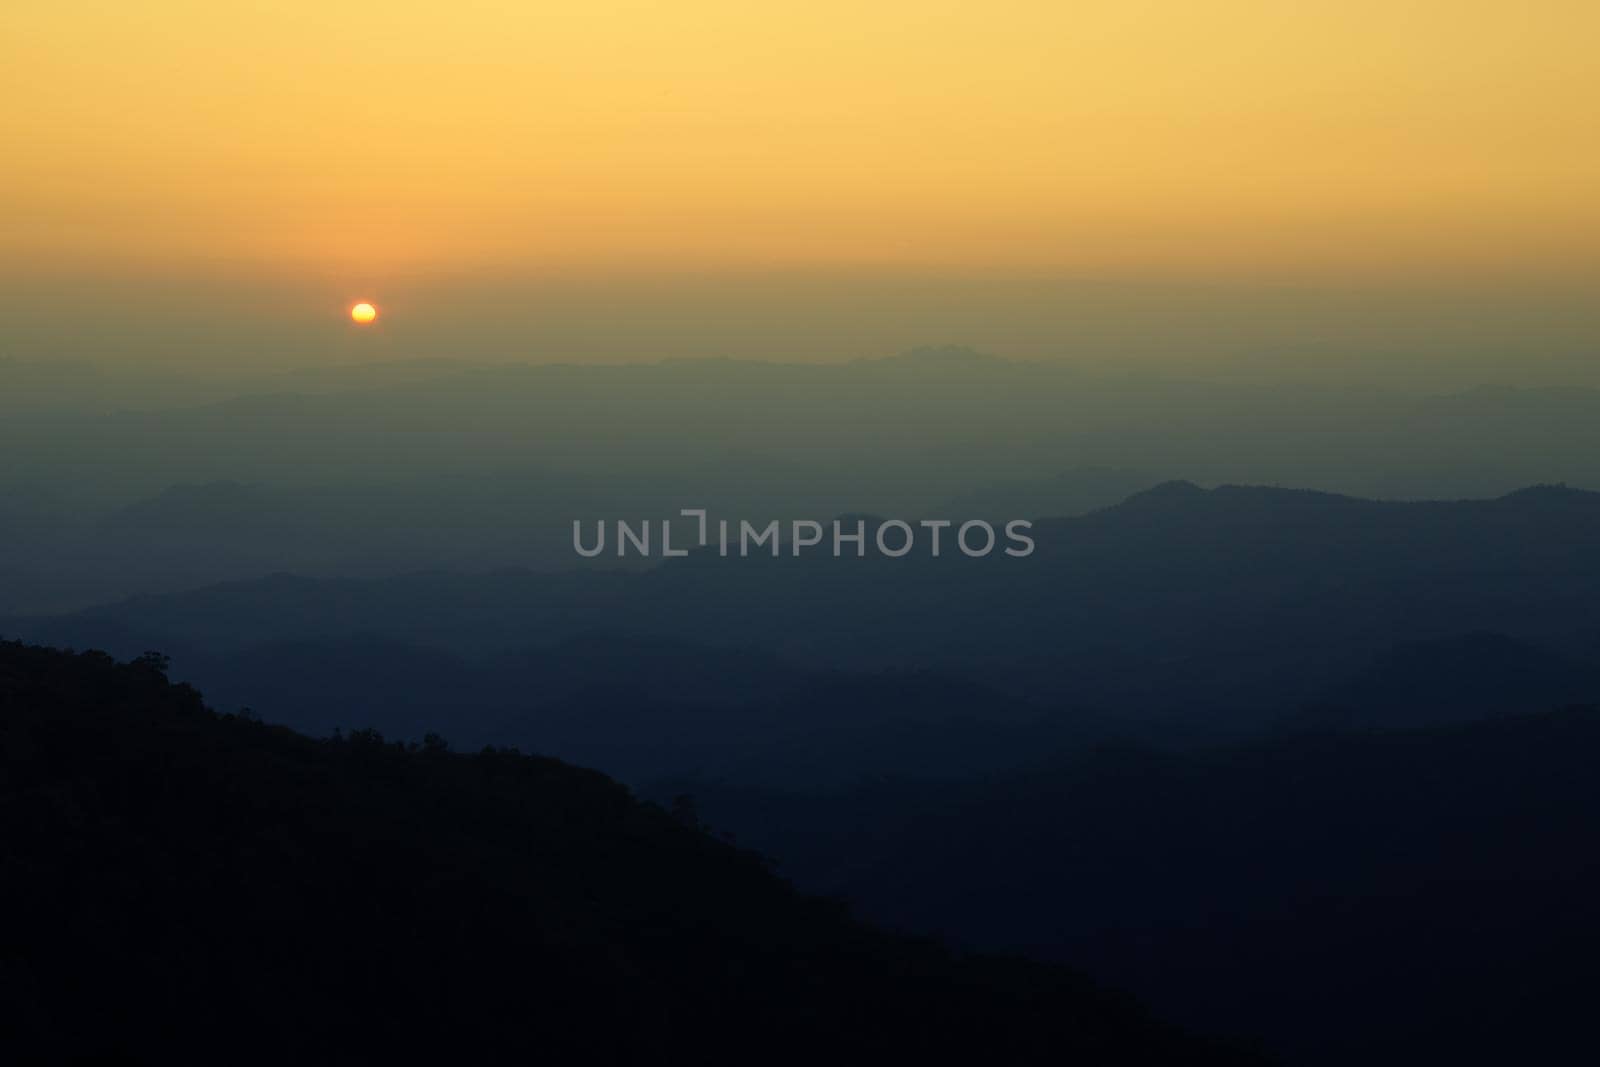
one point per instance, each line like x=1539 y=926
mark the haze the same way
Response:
x=1346 y=190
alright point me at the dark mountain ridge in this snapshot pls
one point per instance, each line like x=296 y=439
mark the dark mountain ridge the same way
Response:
x=1236 y=601
x=1385 y=897
x=195 y=887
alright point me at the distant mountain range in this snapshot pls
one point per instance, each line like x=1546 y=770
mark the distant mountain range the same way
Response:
x=187 y=887
x=1181 y=612
x=152 y=483
x=1422 y=895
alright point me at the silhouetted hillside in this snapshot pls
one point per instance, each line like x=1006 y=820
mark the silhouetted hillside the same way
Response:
x=1424 y=896
x=181 y=886
x=1181 y=609
x=1424 y=683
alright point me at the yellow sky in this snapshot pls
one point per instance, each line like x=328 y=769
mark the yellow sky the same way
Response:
x=1121 y=137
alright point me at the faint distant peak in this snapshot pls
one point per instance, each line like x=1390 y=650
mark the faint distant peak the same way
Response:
x=1542 y=489
x=940 y=355
x=1176 y=489
x=1263 y=501
x=1239 y=500
x=1176 y=493
x=1547 y=493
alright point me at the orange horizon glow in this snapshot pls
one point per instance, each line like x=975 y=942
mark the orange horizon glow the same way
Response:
x=616 y=135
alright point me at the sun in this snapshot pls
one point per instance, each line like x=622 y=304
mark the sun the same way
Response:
x=363 y=313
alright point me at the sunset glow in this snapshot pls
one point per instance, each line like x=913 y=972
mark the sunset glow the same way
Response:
x=1284 y=188
x=1196 y=138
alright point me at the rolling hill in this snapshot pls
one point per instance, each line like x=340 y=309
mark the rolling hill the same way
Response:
x=183 y=886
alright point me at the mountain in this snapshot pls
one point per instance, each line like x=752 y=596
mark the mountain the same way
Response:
x=1382 y=897
x=673 y=708
x=368 y=471
x=1206 y=610
x=185 y=885
x=1429 y=683
x=1068 y=493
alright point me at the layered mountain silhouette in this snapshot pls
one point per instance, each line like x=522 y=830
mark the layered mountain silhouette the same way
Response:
x=1425 y=683
x=182 y=886
x=373 y=471
x=1314 y=767
x=1410 y=896
x=1181 y=612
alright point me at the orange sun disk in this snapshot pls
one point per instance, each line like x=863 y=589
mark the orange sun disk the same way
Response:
x=363 y=313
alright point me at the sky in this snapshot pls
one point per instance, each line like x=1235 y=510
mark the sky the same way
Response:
x=517 y=178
